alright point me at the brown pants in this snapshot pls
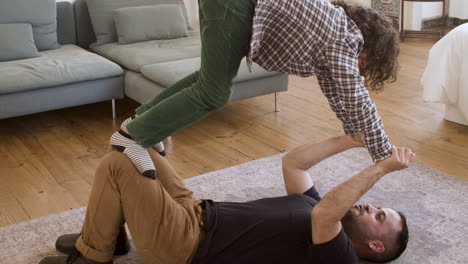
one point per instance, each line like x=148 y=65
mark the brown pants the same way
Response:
x=165 y=221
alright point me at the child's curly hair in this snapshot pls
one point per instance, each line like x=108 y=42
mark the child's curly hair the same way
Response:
x=381 y=43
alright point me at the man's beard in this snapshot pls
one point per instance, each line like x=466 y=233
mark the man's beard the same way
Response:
x=352 y=226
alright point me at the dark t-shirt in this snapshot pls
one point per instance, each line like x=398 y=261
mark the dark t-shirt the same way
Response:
x=271 y=230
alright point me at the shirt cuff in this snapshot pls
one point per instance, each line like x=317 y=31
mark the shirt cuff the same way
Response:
x=378 y=145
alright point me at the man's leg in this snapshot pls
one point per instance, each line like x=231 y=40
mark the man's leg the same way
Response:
x=165 y=230
x=169 y=178
x=225 y=34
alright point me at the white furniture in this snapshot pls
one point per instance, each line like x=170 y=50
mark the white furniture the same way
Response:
x=445 y=78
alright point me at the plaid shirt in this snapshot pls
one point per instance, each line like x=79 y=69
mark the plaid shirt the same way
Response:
x=307 y=37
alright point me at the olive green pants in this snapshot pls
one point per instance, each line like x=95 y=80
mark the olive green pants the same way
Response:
x=225 y=28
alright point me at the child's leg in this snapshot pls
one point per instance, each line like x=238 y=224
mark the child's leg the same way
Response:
x=225 y=33
x=175 y=88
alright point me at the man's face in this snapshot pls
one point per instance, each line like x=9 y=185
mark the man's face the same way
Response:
x=366 y=222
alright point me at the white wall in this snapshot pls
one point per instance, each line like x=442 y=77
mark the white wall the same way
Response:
x=367 y=3
x=361 y=2
x=192 y=8
x=415 y=13
x=459 y=9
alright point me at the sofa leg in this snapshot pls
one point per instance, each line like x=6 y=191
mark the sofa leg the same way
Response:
x=113 y=109
x=276 y=102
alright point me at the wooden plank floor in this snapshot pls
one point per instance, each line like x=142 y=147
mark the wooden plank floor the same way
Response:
x=47 y=160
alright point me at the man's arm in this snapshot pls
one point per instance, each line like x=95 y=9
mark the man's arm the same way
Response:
x=296 y=163
x=327 y=214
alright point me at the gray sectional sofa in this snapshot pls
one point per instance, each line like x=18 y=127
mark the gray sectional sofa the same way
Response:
x=80 y=72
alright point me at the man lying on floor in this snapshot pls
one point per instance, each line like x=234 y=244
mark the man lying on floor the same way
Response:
x=169 y=226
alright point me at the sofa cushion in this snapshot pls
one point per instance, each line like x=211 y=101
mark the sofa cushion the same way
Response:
x=143 y=23
x=67 y=64
x=136 y=55
x=84 y=28
x=101 y=12
x=41 y=14
x=17 y=42
x=168 y=73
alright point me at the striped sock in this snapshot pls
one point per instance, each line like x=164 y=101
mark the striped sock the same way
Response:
x=139 y=156
x=159 y=147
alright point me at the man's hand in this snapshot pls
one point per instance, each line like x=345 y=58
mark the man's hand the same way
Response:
x=400 y=159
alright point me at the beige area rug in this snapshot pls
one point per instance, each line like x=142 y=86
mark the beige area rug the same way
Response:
x=436 y=206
